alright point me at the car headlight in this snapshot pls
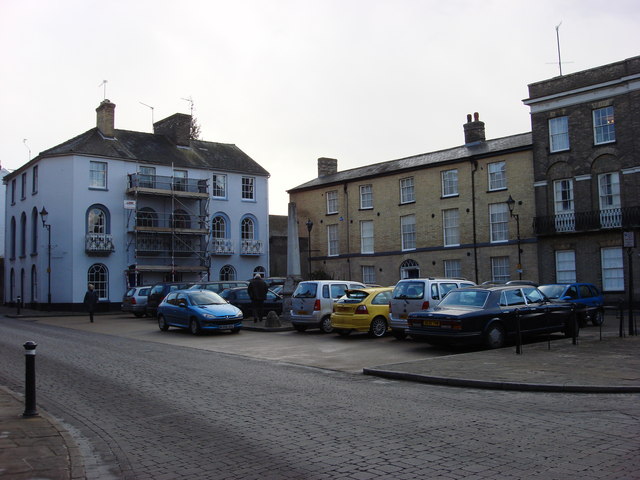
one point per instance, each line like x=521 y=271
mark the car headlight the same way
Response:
x=208 y=316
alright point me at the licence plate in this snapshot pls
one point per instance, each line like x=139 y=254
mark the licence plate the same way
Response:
x=302 y=312
x=403 y=316
x=431 y=323
x=224 y=327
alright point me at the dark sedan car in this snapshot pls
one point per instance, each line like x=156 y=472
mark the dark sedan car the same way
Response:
x=588 y=299
x=489 y=315
x=239 y=297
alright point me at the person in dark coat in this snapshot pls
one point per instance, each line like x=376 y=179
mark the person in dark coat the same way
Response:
x=258 y=294
x=90 y=301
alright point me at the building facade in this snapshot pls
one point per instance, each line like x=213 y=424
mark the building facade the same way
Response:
x=445 y=213
x=117 y=208
x=586 y=139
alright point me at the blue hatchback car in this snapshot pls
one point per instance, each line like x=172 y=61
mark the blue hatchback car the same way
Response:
x=586 y=296
x=199 y=311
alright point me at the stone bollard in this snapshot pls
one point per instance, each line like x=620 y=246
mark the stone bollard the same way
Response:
x=273 y=320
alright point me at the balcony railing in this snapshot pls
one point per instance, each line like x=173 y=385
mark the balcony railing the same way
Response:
x=98 y=244
x=180 y=245
x=177 y=185
x=251 y=247
x=611 y=218
x=222 y=246
x=152 y=221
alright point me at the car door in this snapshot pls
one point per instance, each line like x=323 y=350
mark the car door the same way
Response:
x=181 y=309
x=539 y=313
x=514 y=308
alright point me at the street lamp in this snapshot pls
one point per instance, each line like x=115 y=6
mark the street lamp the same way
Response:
x=309 y=228
x=511 y=203
x=43 y=215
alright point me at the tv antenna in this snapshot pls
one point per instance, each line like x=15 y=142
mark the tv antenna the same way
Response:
x=25 y=144
x=190 y=100
x=104 y=85
x=560 y=62
x=150 y=107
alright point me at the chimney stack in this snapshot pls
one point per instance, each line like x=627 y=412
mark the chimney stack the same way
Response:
x=327 y=166
x=106 y=118
x=177 y=127
x=473 y=130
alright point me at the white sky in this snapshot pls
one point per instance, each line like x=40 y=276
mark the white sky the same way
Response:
x=288 y=81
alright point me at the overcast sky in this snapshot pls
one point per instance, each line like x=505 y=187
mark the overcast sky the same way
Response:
x=288 y=81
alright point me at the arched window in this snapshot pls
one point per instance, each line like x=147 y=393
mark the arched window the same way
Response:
x=34 y=284
x=34 y=230
x=247 y=228
x=227 y=273
x=98 y=275
x=180 y=219
x=23 y=235
x=12 y=239
x=409 y=269
x=98 y=219
x=146 y=217
x=219 y=227
x=259 y=270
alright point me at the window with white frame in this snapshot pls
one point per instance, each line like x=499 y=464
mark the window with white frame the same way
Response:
x=408 y=232
x=34 y=180
x=497 y=176
x=565 y=266
x=332 y=240
x=332 y=202
x=248 y=188
x=407 y=191
x=147 y=177
x=97 y=175
x=612 y=269
x=247 y=229
x=180 y=180
x=563 y=205
x=366 y=197
x=366 y=236
x=98 y=276
x=96 y=221
x=609 y=193
x=450 y=183
x=500 y=269
x=604 y=127
x=499 y=222
x=451 y=227
x=218 y=227
x=558 y=134
x=409 y=269
x=368 y=274
x=219 y=186
x=452 y=268
x=227 y=273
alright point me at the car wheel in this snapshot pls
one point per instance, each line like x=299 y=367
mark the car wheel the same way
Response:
x=495 y=336
x=235 y=330
x=343 y=332
x=162 y=324
x=194 y=327
x=399 y=334
x=378 y=327
x=325 y=325
x=598 y=318
x=300 y=328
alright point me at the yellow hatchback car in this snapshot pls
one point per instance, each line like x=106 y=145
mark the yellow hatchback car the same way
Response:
x=362 y=310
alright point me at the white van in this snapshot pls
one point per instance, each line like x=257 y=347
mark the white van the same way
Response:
x=312 y=303
x=413 y=294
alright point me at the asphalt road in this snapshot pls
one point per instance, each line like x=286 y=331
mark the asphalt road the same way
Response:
x=158 y=410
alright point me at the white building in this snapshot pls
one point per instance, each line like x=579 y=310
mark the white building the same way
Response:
x=126 y=208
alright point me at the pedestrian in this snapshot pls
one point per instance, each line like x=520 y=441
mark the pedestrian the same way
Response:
x=258 y=294
x=90 y=301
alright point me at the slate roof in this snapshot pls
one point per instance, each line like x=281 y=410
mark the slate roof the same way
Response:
x=152 y=149
x=482 y=149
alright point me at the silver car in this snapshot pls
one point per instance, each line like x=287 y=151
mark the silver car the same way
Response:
x=135 y=300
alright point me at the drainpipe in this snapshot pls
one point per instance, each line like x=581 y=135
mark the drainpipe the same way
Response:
x=474 y=163
x=346 y=210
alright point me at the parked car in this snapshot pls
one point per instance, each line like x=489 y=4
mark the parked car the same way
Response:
x=135 y=300
x=586 y=296
x=489 y=315
x=218 y=286
x=362 y=310
x=198 y=310
x=239 y=296
x=312 y=303
x=159 y=291
x=273 y=281
x=413 y=294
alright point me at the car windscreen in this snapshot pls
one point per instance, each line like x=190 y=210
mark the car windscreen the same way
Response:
x=409 y=290
x=353 y=296
x=306 y=290
x=464 y=298
x=552 y=291
x=206 y=298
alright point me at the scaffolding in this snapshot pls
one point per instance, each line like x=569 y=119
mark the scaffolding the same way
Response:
x=167 y=225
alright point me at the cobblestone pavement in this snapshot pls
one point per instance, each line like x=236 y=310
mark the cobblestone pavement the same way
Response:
x=152 y=411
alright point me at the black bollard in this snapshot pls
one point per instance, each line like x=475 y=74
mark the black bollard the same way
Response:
x=518 y=334
x=30 y=380
x=18 y=305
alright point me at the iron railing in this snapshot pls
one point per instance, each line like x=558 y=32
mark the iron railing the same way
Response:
x=169 y=184
x=572 y=222
x=98 y=244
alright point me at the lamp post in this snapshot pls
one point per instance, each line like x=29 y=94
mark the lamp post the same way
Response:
x=43 y=215
x=309 y=228
x=511 y=203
